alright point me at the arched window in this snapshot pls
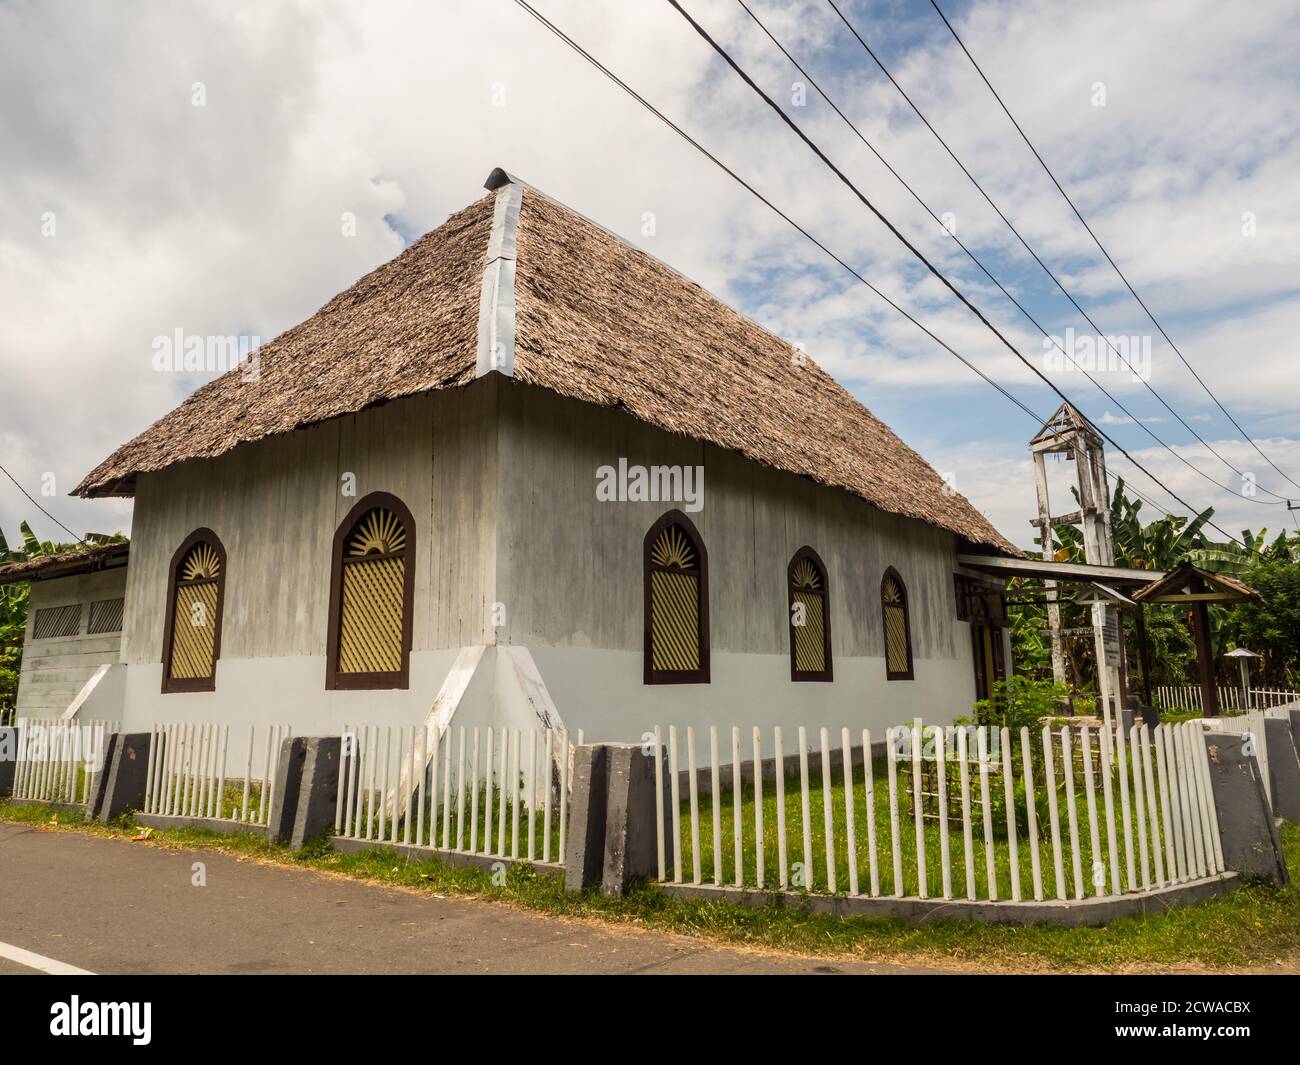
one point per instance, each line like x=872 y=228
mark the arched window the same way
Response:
x=810 y=617
x=195 y=596
x=372 y=588
x=676 y=603
x=898 y=627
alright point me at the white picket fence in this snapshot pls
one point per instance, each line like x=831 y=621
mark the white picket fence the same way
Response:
x=59 y=761
x=1154 y=809
x=1188 y=697
x=493 y=792
x=189 y=772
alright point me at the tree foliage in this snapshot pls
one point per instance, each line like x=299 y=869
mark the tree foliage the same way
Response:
x=1272 y=567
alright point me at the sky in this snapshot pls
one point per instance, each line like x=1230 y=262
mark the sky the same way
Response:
x=223 y=169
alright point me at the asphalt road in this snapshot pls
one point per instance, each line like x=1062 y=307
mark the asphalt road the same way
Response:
x=111 y=906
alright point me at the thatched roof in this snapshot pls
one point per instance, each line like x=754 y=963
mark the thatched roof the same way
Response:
x=66 y=563
x=593 y=319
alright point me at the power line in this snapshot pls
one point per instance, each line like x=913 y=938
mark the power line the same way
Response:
x=916 y=252
x=1102 y=248
x=79 y=539
x=1037 y=418
x=1037 y=258
x=767 y=203
x=988 y=273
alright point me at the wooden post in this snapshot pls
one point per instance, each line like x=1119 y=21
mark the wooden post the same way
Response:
x=1144 y=652
x=1204 y=659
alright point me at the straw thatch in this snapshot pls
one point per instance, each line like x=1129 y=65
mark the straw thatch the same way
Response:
x=596 y=320
x=66 y=563
x=1186 y=576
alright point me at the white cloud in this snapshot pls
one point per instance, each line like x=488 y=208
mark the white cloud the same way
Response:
x=226 y=218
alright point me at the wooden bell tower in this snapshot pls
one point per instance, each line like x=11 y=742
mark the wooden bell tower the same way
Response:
x=1068 y=432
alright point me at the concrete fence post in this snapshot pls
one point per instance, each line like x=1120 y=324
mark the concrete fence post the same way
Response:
x=121 y=781
x=584 y=856
x=284 y=789
x=1246 y=828
x=318 y=789
x=8 y=760
x=612 y=838
x=1283 y=767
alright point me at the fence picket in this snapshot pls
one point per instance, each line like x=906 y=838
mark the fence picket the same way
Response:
x=782 y=859
x=968 y=842
x=918 y=813
x=548 y=777
x=677 y=807
x=990 y=864
x=1107 y=790
x=1139 y=806
x=850 y=833
x=758 y=808
x=659 y=803
x=715 y=793
x=1031 y=811
x=1175 y=803
x=805 y=808
x=896 y=851
x=1097 y=868
x=1153 y=813
x=737 y=793
x=868 y=785
x=1072 y=811
x=694 y=790
x=828 y=818
x=945 y=849
x=1009 y=792
x=1053 y=813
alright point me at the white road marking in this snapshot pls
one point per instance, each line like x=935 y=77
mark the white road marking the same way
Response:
x=40 y=963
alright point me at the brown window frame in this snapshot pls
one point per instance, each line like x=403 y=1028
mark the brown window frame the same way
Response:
x=910 y=673
x=377 y=680
x=666 y=676
x=172 y=684
x=826 y=674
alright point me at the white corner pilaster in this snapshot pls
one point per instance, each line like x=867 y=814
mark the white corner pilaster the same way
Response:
x=496 y=310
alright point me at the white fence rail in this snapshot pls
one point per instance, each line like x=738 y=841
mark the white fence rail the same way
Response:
x=948 y=812
x=495 y=792
x=1188 y=697
x=190 y=775
x=59 y=761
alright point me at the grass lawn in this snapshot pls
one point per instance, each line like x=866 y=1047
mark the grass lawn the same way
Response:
x=1256 y=927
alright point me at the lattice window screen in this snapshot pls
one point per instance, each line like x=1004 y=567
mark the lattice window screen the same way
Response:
x=809 y=593
x=674 y=603
x=897 y=639
x=105 y=616
x=52 y=622
x=371 y=609
x=194 y=623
